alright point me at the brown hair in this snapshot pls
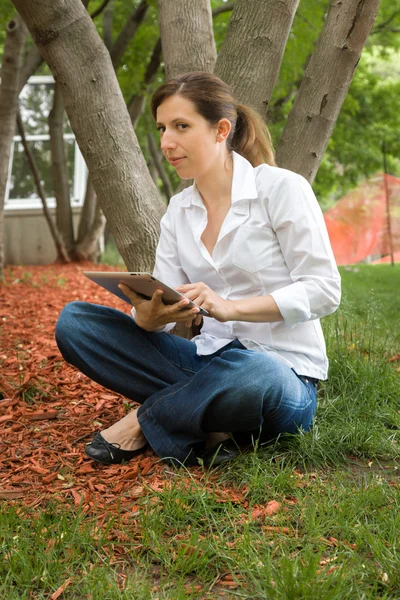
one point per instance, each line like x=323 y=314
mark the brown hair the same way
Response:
x=249 y=135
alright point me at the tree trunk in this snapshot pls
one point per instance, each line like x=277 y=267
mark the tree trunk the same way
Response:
x=187 y=36
x=59 y=169
x=12 y=62
x=92 y=221
x=59 y=243
x=136 y=108
x=137 y=103
x=31 y=63
x=33 y=58
x=325 y=84
x=88 y=211
x=152 y=169
x=69 y=42
x=157 y=159
x=88 y=248
x=108 y=17
x=251 y=55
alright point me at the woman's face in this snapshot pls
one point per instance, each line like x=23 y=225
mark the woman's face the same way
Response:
x=188 y=141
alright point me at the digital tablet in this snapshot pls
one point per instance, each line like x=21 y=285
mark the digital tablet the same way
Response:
x=141 y=283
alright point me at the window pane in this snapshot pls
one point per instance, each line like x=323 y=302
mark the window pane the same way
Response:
x=22 y=182
x=36 y=101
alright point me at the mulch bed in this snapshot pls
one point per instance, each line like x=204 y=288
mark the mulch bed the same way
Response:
x=48 y=410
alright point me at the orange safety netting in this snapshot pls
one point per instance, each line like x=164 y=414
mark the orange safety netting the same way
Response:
x=358 y=224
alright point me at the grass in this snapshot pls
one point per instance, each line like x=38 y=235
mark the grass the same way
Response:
x=334 y=536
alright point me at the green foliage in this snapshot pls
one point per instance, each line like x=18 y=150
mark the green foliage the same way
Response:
x=369 y=114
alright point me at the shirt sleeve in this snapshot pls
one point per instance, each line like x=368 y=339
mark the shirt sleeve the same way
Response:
x=167 y=266
x=300 y=228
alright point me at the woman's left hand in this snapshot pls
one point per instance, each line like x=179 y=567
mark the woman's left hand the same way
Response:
x=199 y=292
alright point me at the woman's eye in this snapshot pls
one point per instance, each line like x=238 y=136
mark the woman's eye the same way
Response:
x=182 y=125
x=161 y=129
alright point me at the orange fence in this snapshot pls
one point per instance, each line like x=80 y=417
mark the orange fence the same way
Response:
x=358 y=224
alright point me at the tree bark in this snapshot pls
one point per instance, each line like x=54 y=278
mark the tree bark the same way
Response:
x=61 y=251
x=59 y=170
x=187 y=36
x=324 y=86
x=251 y=55
x=33 y=58
x=69 y=42
x=12 y=62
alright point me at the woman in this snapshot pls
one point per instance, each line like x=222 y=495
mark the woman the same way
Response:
x=248 y=243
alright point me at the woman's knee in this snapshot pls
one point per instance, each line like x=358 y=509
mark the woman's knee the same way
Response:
x=69 y=322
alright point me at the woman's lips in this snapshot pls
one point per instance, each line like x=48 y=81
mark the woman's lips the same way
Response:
x=176 y=161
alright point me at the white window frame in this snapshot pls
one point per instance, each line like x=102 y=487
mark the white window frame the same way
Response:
x=80 y=169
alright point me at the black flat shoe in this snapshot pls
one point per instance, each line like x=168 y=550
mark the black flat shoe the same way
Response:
x=221 y=453
x=109 y=453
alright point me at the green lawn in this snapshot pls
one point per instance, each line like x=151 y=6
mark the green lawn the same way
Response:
x=334 y=534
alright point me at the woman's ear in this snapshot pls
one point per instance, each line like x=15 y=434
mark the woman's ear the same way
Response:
x=223 y=130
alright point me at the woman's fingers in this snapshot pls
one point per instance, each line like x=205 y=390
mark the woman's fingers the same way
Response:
x=157 y=297
x=133 y=297
x=186 y=315
x=198 y=320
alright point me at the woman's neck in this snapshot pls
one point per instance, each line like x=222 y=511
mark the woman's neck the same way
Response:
x=215 y=186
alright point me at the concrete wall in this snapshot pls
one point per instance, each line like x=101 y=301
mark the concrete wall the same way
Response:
x=27 y=237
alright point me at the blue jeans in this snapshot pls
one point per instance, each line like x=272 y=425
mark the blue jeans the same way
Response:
x=183 y=395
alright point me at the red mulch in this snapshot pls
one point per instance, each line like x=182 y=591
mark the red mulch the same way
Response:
x=49 y=410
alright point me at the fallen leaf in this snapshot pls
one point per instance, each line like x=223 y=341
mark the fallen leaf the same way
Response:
x=272 y=507
x=257 y=513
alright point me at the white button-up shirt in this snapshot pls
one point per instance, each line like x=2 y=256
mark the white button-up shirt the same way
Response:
x=272 y=241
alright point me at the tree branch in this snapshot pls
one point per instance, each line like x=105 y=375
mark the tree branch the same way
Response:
x=128 y=32
x=381 y=26
x=99 y=10
x=304 y=19
x=61 y=251
x=223 y=8
x=385 y=30
x=108 y=17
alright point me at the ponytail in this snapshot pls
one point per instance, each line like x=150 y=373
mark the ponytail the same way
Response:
x=252 y=138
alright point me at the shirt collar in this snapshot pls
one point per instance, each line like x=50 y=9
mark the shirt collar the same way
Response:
x=243 y=184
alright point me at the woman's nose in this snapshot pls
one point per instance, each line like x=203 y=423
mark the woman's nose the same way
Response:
x=167 y=141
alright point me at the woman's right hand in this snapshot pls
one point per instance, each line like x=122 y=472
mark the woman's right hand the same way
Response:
x=152 y=314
